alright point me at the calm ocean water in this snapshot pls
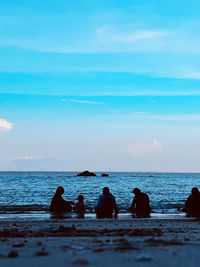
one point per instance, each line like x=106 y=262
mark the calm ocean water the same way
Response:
x=32 y=191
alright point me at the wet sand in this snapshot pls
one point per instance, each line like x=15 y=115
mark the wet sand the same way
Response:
x=165 y=241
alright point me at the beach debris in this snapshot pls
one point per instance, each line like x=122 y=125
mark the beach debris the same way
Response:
x=158 y=242
x=81 y=261
x=119 y=240
x=96 y=240
x=4 y=240
x=13 y=254
x=19 y=245
x=122 y=245
x=98 y=250
x=86 y=173
x=143 y=257
x=146 y=232
x=41 y=253
x=64 y=229
x=64 y=248
x=13 y=232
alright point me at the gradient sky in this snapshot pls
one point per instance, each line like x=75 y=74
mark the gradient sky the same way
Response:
x=100 y=85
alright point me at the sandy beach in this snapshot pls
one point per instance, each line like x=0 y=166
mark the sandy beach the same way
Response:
x=118 y=242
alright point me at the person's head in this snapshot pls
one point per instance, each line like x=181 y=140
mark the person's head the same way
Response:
x=136 y=191
x=106 y=191
x=60 y=190
x=80 y=198
x=195 y=190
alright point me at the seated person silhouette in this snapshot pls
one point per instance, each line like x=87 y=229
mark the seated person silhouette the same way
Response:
x=140 y=204
x=106 y=204
x=192 y=204
x=80 y=207
x=58 y=204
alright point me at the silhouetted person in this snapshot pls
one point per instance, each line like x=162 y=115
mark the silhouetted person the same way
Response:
x=106 y=205
x=58 y=204
x=140 y=204
x=80 y=207
x=192 y=204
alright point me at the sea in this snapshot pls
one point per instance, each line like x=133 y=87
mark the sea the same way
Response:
x=31 y=192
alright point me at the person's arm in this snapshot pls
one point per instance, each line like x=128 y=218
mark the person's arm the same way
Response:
x=132 y=207
x=75 y=208
x=99 y=201
x=71 y=202
x=115 y=207
x=187 y=203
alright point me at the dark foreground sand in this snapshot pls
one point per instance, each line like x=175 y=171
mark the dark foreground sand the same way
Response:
x=90 y=242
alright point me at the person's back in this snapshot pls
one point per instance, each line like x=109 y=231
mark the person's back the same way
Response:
x=58 y=204
x=192 y=204
x=80 y=207
x=106 y=205
x=140 y=204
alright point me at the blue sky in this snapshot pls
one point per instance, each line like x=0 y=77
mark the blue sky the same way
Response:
x=100 y=85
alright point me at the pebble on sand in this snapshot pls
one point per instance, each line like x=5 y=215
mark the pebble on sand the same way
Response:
x=143 y=257
x=19 y=245
x=13 y=254
x=41 y=253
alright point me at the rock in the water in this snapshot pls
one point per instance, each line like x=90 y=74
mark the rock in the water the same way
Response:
x=13 y=254
x=81 y=261
x=143 y=257
x=86 y=173
x=105 y=175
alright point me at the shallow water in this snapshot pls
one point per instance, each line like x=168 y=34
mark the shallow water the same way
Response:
x=40 y=216
x=32 y=191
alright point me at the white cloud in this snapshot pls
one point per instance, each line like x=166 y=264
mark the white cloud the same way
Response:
x=5 y=125
x=105 y=35
x=81 y=101
x=140 y=112
x=27 y=158
x=84 y=101
x=143 y=148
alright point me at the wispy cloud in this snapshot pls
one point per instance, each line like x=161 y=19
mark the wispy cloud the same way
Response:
x=26 y=158
x=140 y=112
x=105 y=34
x=82 y=101
x=33 y=163
x=5 y=125
x=172 y=117
x=141 y=148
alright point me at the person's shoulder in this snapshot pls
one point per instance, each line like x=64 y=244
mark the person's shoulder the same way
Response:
x=112 y=197
x=144 y=195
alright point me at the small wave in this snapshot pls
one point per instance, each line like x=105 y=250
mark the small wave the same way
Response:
x=23 y=208
x=156 y=207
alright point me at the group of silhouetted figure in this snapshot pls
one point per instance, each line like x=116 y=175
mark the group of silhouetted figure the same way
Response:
x=107 y=208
